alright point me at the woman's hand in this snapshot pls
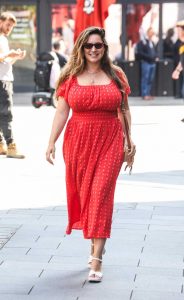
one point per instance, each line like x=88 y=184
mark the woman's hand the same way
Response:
x=50 y=153
x=133 y=148
x=129 y=154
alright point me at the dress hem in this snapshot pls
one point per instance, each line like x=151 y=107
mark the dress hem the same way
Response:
x=68 y=232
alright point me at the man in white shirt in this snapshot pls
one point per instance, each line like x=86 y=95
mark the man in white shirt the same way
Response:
x=7 y=59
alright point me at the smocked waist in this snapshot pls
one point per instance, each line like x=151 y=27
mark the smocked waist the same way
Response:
x=94 y=115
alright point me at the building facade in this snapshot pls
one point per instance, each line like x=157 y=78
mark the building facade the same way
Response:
x=41 y=22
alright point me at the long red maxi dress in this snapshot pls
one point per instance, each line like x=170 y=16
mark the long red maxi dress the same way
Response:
x=93 y=154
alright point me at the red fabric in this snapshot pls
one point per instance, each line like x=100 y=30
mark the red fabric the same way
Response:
x=95 y=18
x=134 y=20
x=93 y=154
x=59 y=12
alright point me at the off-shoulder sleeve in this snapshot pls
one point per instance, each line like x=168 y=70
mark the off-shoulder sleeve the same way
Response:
x=63 y=89
x=124 y=81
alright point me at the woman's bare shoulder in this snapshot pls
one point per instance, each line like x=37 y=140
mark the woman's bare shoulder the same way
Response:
x=119 y=71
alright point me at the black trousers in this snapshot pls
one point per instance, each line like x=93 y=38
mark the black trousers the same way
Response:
x=6 y=103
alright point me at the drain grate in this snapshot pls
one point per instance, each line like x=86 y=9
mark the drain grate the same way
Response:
x=6 y=232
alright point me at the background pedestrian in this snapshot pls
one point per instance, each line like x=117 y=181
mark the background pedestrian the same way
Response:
x=180 y=67
x=146 y=52
x=7 y=59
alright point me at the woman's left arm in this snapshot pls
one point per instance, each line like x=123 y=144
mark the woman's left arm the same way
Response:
x=121 y=118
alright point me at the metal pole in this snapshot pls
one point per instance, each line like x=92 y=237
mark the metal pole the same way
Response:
x=44 y=26
x=123 y=31
x=160 y=42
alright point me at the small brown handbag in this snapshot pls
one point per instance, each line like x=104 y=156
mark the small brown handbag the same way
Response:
x=129 y=153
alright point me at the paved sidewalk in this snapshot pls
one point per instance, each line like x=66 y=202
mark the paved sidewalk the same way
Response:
x=144 y=259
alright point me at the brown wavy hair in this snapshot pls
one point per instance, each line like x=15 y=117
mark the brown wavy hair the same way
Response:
x=77 y=62
x=8 y=16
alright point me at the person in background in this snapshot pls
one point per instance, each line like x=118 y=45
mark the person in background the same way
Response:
x=147 y=54
x=7 y=59
x=168 y=45
x=61 y=58
x=178 y=83
x=68 y=34
x=94 y=140
x=57 y=64
x=180 y=67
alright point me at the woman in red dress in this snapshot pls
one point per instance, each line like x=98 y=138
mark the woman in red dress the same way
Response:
x=94 y=139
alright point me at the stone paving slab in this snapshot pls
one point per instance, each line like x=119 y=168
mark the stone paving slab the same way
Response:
x=152 y=295
x=32 y=227
x=171 y=246
x=18 y=238
x=14 y=250
x=48 y=243
x=11 y=288
x=121 y=261
x=25 y=258
x=159 y=283
x=37 y=220
x=167 y=204
x=119 y=225
x=156 y=271
x=67 y=260
x=157 y=221
x=22 y=244
x=67 y=267
x=37 y=212
x=145 y=207
x=169 y=218
x=161 y=260
x=169 y=211
x=24 y=269
x=21 y=216
x=6 y=233
x=15 y=220
x=165 y=248
x=53 y=220
x=104 y=294
x=167 y=227
x=135 y=214
x=39 y=297
x=69 y=284
x=53 y=229
x=165 y=235
x=40 y=251
x=20 y=280
x=123 y=249
x=127 y=235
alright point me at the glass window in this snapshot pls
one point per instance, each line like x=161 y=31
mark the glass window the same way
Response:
x=113 y=24
x=23 y=36
x=63 y=16
x=140 y=17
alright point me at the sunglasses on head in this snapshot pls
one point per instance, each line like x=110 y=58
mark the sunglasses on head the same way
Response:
x=96 y=45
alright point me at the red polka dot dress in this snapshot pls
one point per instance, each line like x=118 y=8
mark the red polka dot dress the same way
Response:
x=93 y=154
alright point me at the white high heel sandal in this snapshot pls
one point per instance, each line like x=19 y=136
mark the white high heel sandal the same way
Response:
x=91 y=257
x=95 y=276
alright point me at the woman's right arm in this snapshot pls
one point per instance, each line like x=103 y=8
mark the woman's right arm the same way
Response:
x=58 y=124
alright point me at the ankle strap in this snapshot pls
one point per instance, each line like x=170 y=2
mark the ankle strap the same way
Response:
x=96 y=258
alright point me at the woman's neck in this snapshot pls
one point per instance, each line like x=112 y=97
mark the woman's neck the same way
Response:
x=93 y=68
